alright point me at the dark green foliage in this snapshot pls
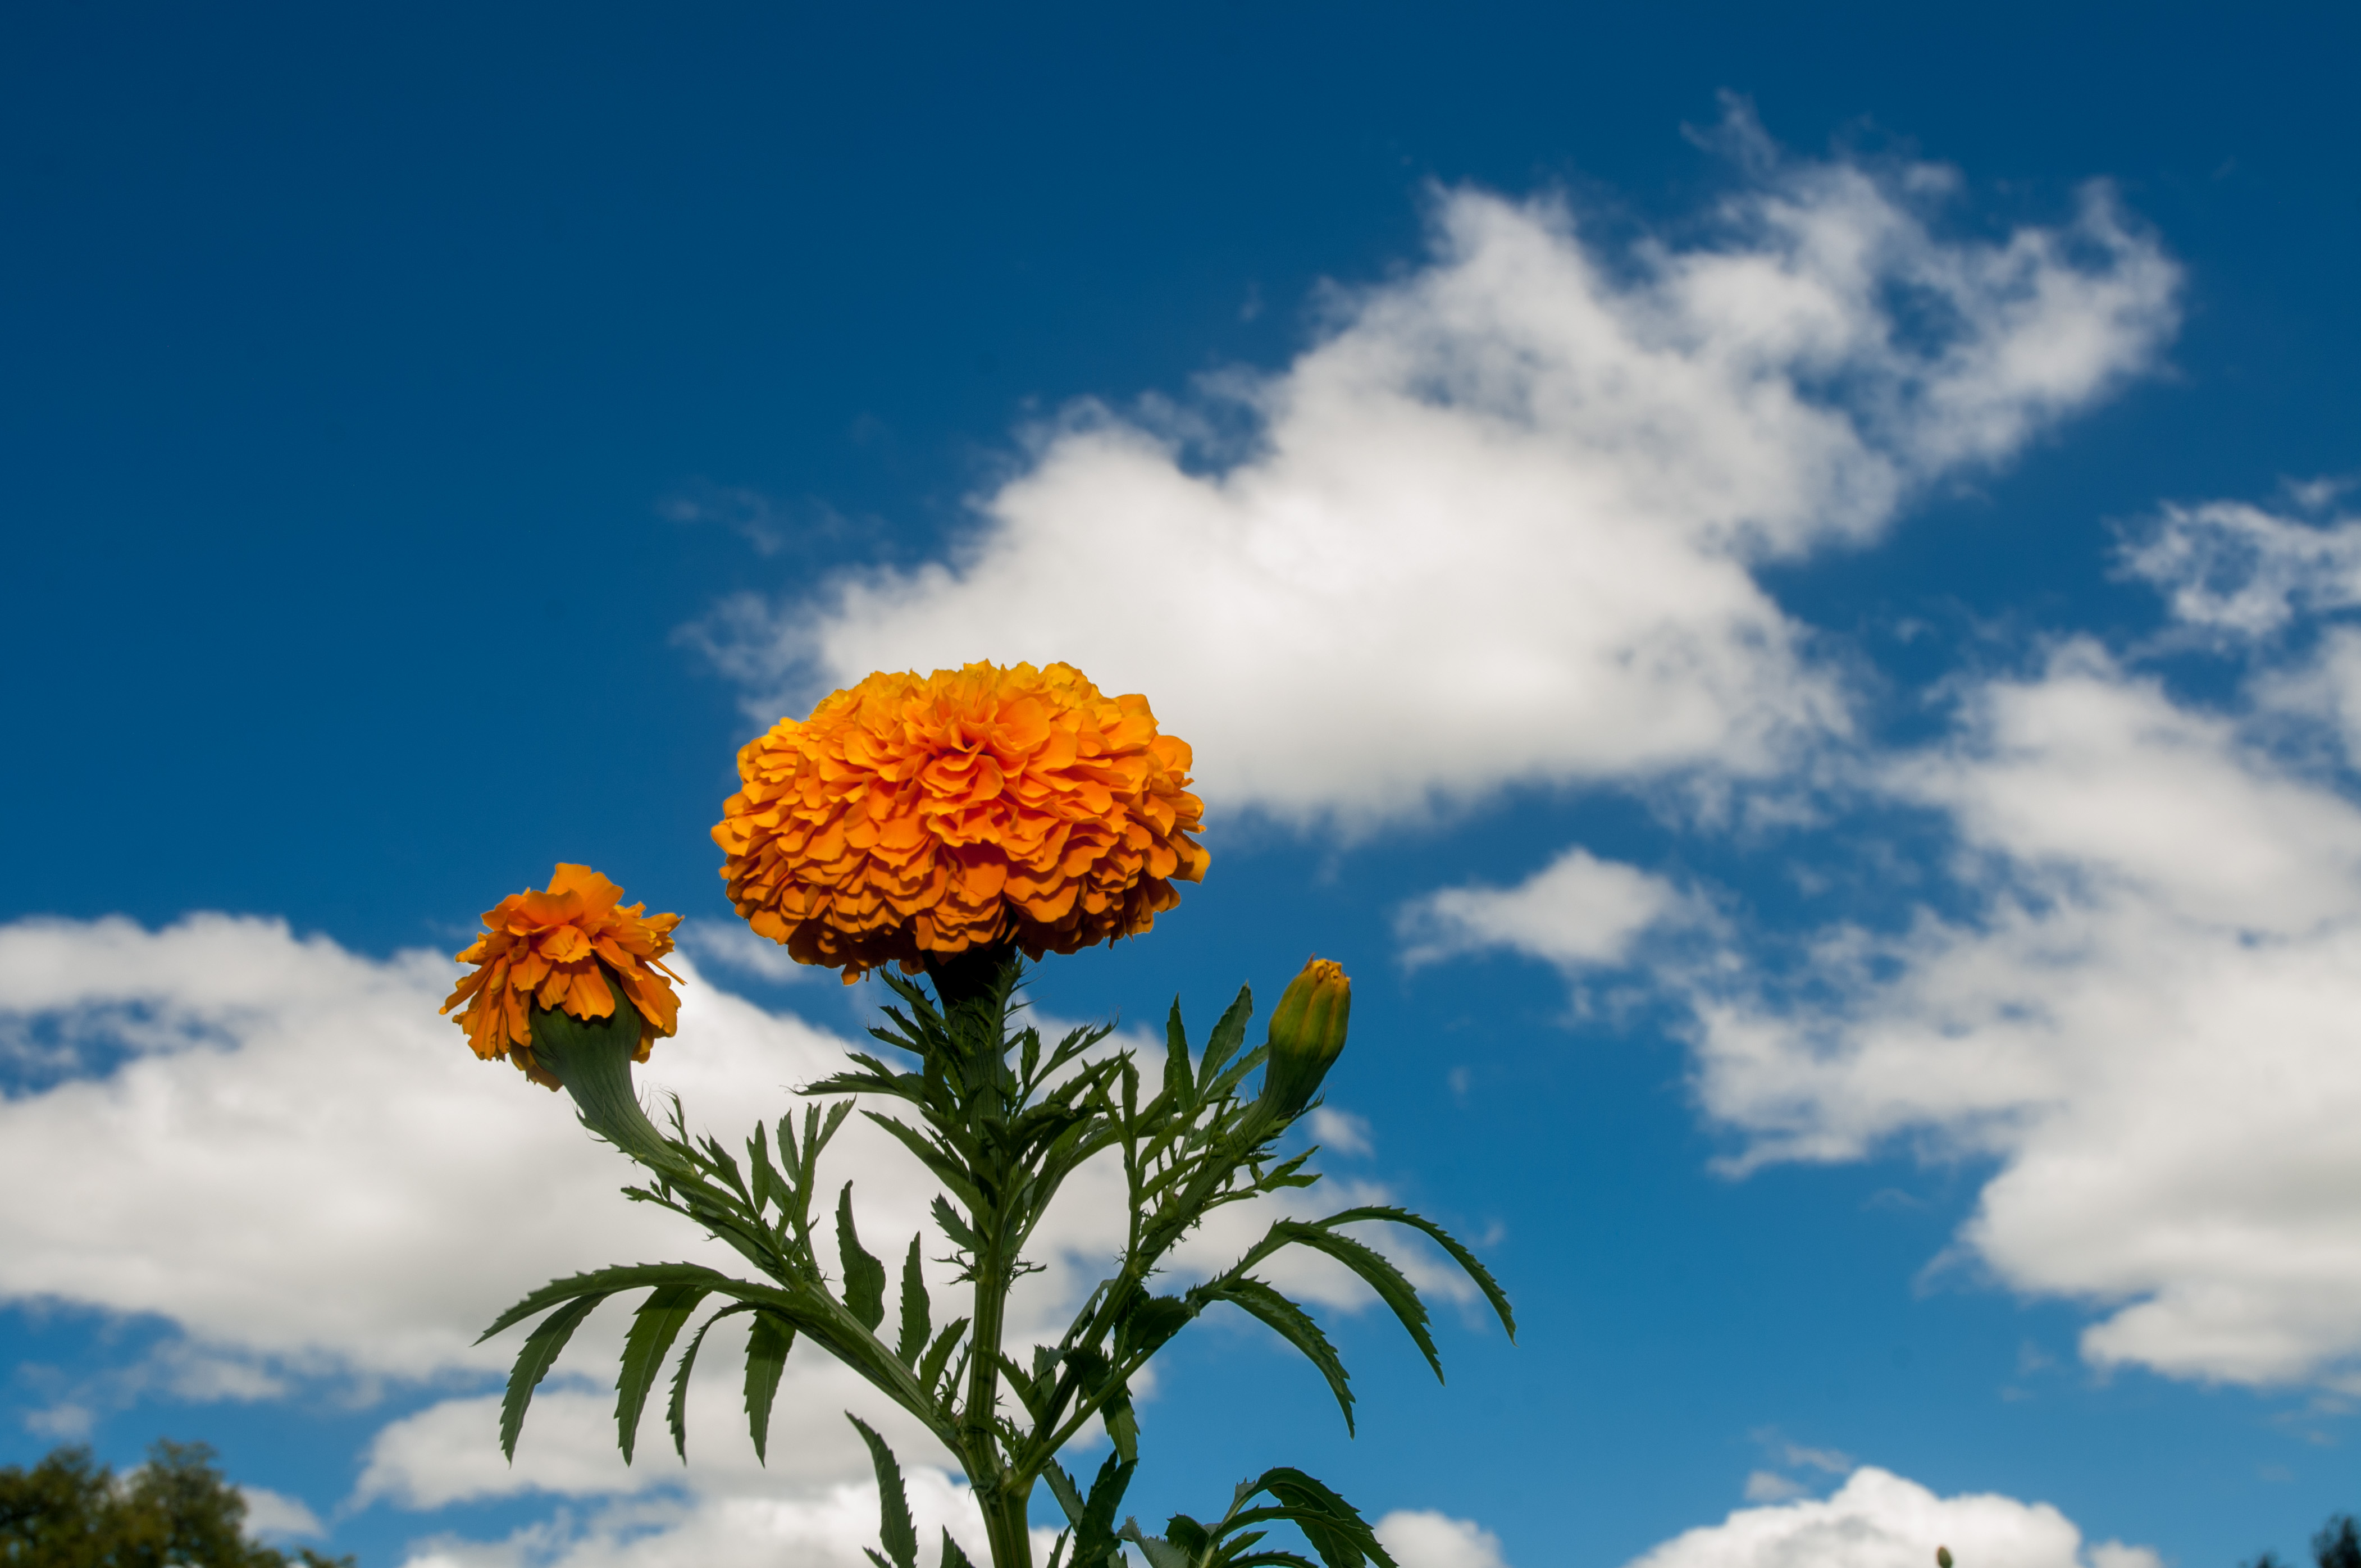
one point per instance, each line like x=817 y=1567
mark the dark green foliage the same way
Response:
x=1000 y=1118
x=175 y=1511
x=2338 y=1544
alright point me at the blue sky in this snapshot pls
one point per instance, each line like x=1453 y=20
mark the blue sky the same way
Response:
x=1779 y=588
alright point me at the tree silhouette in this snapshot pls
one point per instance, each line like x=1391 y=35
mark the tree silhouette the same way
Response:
x=175 y=1511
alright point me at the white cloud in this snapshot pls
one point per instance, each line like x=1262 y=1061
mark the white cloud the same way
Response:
x=826 y=1528
x=276 y=1513
x=282 y=1148
x=1770 y=1486
x=1498 y=524
x=1877 y=1519
x=1578 y=910
x=1422 y=1538
x=2229 y=566
x=2150 y=1027
x=726 y=944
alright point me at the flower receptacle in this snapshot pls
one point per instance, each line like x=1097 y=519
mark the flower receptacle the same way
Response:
x=592 y=1057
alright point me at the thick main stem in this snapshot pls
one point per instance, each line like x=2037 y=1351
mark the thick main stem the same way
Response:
x=1002 y=1497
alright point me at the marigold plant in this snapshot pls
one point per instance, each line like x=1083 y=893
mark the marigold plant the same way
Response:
x=956 y=824
x=558 y=951
x=914 y=816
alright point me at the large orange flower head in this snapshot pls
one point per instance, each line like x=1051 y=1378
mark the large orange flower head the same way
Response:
x=565 y=949
x=930 y=814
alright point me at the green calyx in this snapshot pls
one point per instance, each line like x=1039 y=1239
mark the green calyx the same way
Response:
x=1307 y=1035
x=592 y=1057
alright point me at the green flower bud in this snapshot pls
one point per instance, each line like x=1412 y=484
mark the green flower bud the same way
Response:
x=1307 y=1035
x=1942 y=1557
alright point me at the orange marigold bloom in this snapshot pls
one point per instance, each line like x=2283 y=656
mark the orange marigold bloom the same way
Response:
x=917 y=815
x=559 y=949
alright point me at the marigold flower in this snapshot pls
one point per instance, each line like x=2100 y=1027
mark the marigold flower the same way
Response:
x=561 y=951
x=913 y=815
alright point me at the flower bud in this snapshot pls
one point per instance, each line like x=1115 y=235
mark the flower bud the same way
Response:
x=1307 y=1035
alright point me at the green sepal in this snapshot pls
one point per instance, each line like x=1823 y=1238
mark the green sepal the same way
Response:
x=767 y=1343
x=895 y=1533
x=654 y=1327
x=532 y=1363
x=864 y=1277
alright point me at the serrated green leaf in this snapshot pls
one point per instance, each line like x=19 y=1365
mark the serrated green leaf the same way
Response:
x=1160 y=1553
x=952 y=1556
x=864 y=1277
x=532 y=1363
x=601 y=1282
x=917 y=1311
x=930 y=1371
x=1227 y=1036
x=895 y=1533
x=1180 y=1077
x=768 y=1339
x=1335 y=1526
x=1121 y=1426
x=1061 y=1487
x=1295 y=1326
x=676 y=1406
x=1466 y=1260
x=953 y=1226
x=1151 y=1322
x=654 y=1327
x=1378 y=1272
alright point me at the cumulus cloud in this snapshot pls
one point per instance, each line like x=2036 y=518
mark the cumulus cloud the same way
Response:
x=826 y=1529
x=1500 y=522
x=281 y=1148
x=1877 y=1519
x=1577 y=911
x=2149 y=1025
x=1422 y=1538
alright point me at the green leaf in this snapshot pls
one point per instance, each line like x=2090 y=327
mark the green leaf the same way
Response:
x=767 y=1343
x=1227 y=1035
x=1335 y=1526
x=1459 y=1254
x=864 y=1277
x=1295 y=1326
x=917 y=1312
x=1180 y=1078
x=954 y=1227
x=1151 y=1320
x=1061 y=1487
x=952 y=1556
x=654 y=1327
x=676 y=1408
x=1378 y=1272
x=895 y=1533
x=1122 y=1426
x=931 y=1372
x=602 y=1282
x=534 y=1361
x=1159 y=1553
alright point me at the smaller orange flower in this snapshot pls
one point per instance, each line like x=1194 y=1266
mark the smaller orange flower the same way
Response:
x=559 y=949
